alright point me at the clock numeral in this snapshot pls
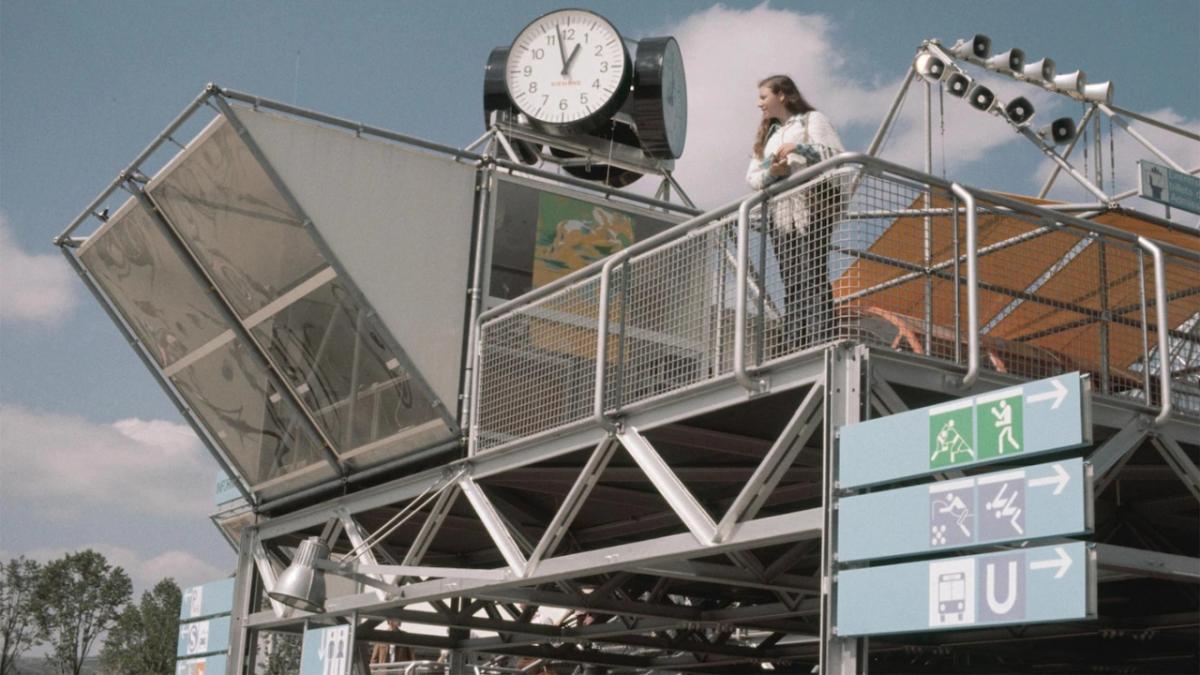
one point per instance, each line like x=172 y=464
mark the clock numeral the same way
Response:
x=527 y=71
x=604 y=66
x=569 y=34
x=538 y=54
x=583 y=98
x=599 y=50
x=562 y=104
x=545 y=97
x=533 y=87
x=586 y=36
x=595 y=84
x=550 y=40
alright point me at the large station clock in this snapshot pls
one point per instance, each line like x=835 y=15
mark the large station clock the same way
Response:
x=568 y=71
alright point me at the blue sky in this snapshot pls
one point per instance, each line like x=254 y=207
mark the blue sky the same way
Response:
x=92 y=452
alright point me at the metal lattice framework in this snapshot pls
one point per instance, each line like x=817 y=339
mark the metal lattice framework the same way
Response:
x=652 y=438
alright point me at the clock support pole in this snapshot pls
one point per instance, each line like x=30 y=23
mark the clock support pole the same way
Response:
x=521 y=143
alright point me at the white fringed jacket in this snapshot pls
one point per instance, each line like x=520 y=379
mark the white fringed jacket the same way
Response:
x=815 y=140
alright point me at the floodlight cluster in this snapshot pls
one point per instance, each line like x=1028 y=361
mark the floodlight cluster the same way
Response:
x=936 y=64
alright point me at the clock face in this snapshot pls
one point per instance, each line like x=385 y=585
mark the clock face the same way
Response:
x=568 y=67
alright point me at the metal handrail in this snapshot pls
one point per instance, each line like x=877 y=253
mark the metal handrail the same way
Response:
x=602 y=340
x=739 y=312
x=972 y=284
x=741 y=370
x=1160 y=316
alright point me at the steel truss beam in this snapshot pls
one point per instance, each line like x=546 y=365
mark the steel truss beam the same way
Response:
x=691 y=570
x=1180 y=463
x=1108 y=459
x=1148 y=563
x=765 y=531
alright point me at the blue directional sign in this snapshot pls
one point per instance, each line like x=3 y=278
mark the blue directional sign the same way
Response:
x=204 y=665
x=1044 y=500
x=211 y=599
x=327 y=651
x=1165 y=185
x=1017 y=422
x=1021 y=586
x=203 y=637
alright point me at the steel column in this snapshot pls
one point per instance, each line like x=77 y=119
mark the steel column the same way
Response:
x=239 y=659
x=843 y=405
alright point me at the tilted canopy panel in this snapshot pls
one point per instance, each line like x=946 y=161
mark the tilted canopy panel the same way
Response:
x=303 y=290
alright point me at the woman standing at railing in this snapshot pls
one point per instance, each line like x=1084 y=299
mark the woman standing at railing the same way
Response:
x=792 y=135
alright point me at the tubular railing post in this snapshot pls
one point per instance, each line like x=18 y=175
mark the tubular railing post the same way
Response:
x=739 y=314
x=602 y=343
x=1160 y=315
x=957 y=286
x=972 y=285
x=1145 y=325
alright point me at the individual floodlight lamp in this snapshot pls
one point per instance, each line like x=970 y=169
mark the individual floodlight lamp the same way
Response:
x=976 y=47
x=1039 y=72
x=1019 y=111
x=1070 y=83
x=1100 y=92
x=980 y=97
x=1058 y=132
x=958 y=84
x=302 y=585
x=1011 y=61
x=930 y=67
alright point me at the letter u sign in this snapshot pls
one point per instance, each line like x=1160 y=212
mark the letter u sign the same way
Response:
x=1003 y=588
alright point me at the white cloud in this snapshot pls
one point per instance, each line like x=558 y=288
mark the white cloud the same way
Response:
x=36 y=288
x=186 y=568
x=67 y=466
x=727 y=51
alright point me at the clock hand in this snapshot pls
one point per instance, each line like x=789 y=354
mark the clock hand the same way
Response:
x=562 y=50
x=571 y=59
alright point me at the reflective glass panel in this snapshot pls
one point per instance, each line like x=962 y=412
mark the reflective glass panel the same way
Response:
x=264 y=436
x=234 y=220
x=332 y=351
x=149 y=282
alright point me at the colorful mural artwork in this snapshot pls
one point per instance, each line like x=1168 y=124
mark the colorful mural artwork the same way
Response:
x=572 y=234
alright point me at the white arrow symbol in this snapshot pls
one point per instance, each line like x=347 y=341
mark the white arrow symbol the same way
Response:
x=1062 y=562
x=1058 y=394
x=1059 y=479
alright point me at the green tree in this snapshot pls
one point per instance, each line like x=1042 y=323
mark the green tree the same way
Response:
x=18 y=626
x=284 y=654
x=145 y=635
x=78 y=598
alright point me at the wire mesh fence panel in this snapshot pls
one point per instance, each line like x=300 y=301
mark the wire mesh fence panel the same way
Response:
x=667 y=329
x=856 y=254
x=537 y=366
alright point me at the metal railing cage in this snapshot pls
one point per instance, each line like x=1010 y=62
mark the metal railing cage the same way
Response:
x=858 y=249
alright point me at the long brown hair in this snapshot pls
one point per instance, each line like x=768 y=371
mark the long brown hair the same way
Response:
x=793 y=100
